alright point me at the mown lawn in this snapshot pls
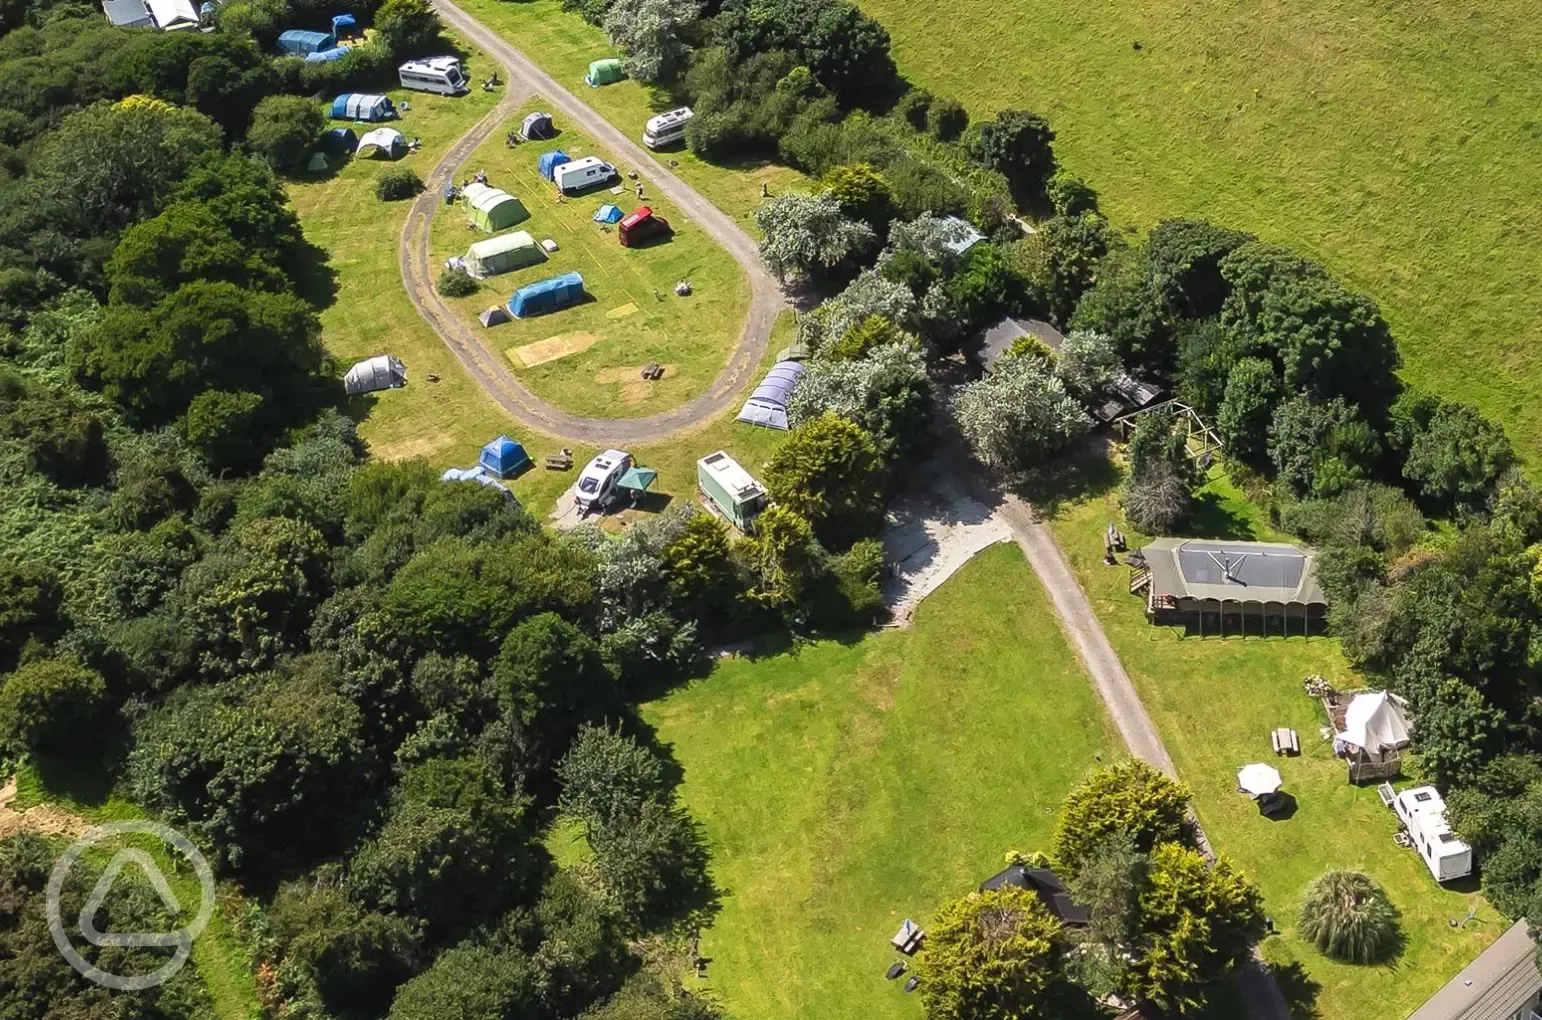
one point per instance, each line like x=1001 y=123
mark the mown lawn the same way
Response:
x=632 y=315
x=845 y=786
x=1396 y=143
x=1215 y=701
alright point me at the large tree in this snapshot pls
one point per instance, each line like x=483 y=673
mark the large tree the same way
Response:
x=652 y=34
x=1019 y=145
x=284 y=128
x=808 y=234
x=990 y=956
x=1128 y=799
x=51 y=705
x=1018 y=415
x=847 y=50
x=829 y=473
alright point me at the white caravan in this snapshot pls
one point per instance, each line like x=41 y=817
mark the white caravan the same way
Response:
x=583 y=173
x=434 y=74
x=666 y=128
x=1423 y=811
x=597 y=483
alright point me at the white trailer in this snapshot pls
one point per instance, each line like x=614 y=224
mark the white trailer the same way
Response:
x=443 y=75
x=667 y=128
x=596 y=486
x=1423 y=811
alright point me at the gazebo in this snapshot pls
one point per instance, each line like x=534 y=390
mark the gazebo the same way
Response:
x=1216 y=586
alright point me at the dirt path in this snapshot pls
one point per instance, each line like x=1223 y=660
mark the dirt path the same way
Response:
x=43 y=819
x=485 y=364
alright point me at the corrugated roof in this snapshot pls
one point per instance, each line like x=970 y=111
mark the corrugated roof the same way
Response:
x=1233 y=571
x=1495 y=986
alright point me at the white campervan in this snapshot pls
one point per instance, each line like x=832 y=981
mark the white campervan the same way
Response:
x=443 y=75
x=1423 y=812
x=666 y=128
x=597 y=482
x=579 y=174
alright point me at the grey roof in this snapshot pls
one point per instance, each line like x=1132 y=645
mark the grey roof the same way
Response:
x=969 y=235
x=768 y=404
x=998 y=339
x=382 y=372
x=1044 y=882
x=126 y=13
x=1233 y=571
x=1495 y=986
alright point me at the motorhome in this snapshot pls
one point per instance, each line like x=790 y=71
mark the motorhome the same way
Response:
x=1423 y=812
x=583 y=173
x=667 y=128
x=434 y=74
x=597 y=483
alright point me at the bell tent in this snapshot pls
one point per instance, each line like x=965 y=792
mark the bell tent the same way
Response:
x=1375 y=723
x=299 y=43
x=362 y=106
x=382 y=372
x=503 y=457
x=535 y=127
x=502 y=253
x=492 y=209
x=549 y=295
x=550 y=161
x=383 y=143
x=604 y=72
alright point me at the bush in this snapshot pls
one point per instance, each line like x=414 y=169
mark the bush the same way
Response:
x=395 y=185
x=456 y=283
x=51 y=705
x=1347 y=916
x=946 y=119
x=283 y=130
x=1128 y=799
x=913 y=108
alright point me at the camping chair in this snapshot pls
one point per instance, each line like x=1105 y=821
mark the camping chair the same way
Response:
x=895 y=970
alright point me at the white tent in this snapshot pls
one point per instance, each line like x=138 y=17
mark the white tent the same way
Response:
x=1258 y=779
x=387 y=142
x=170 y=15
x=381 y=372
x=1375 y=722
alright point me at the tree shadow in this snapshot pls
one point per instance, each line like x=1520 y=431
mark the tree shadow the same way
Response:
x=1209 y=517
x=86 y=780
x=1298 y=988
x=315 y=279
x=1082 y=473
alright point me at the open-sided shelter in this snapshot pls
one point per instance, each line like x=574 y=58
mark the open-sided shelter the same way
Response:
x=492 y=209
x=502 y=254
x=536 y=126
x=1219 y=586
x=383 y=143
x=550 y=161
x=549 y=295
x=503 y=458
x=297 y=42
x=362 y=106
x=604 y=72
x=767 y=406
x=382 y=372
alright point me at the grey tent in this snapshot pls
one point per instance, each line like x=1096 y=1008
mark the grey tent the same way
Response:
x=386 y=142
x=381 y=372
x=497 y=315
x=318 y=162
x=767 y=406
x=536 y=126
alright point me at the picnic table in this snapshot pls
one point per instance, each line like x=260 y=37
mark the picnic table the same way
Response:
x=1285 y=741
x=560 y=461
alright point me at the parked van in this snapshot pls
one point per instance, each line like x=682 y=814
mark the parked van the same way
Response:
x=583 y=173
x=597 y=483
x=640 y=226
x=435 y=74
x=666 y=128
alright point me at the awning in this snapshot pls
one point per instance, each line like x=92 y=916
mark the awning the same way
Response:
x=638 y=479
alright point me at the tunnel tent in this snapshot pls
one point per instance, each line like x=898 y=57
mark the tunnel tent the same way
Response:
x=549 y=295
x=550 y=161
x=535 y=127
x=362 y=106
x=339 y=139
x=326 y=56
x=383 y=143
x=492 y=209
x=382 y=372
x=604 y=72
x=502 y=254
x=297 y=42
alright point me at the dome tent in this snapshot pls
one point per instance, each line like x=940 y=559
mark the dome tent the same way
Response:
x=386 y=143
x=299 y=43
x=339 y=139
x=550 y=161
x=502 y=253
x=536 y=126
x=381 y=372
x=503 y=457
x=492 y=209
x=604 y=72
x=361 y=106
x=549 y=295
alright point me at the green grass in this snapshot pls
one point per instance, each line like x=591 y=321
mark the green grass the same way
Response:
x=1215 y=702
x=846 y=786
x=690 y=337
x=563 y=44
x=1398 y=144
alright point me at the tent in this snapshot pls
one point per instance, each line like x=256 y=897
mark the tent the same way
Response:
x=549 y=295
x=604 y=72
x=638 y=480
x=536 y=126
x=1376 y=723
x=497 y=315
x=339 y=139
x=492 y=209
x=387 y=143
x=502 y=253
x=326 y=56
x=344 y=25
x=768 y=404
x=361 y=106
x=550 y=161
x=1258 y=779
x=503 y=457
x=318 y=163
x=382 y=372
x=481 y=477
x=297 y=42
x=607 y=214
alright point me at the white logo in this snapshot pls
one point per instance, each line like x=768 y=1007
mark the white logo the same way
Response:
x=181 y=940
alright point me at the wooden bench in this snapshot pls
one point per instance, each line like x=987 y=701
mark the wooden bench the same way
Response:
x=653 y=370
x=559 y=461
x=1285 y=741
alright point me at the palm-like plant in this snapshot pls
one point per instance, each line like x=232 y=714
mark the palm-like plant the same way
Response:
x=1347 y=916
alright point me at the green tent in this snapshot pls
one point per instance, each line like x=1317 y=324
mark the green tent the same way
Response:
x=492 y=209
x=604 y=72
x=318 y=163
x=502 y=253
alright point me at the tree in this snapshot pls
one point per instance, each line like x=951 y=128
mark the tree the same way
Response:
x=1156 y=499
x=1018 y=415
x=187 y=242
x=1087 y=361
x=1184 y=261
x=220 y=426
x=872 y=332
x=1252 y=392
x=946 y=119
x=990 y=956
x=1458 y=458
x=807 y=234
x=862 y=192
x=652 y=34
x=1348 y=916
x=1069 y=195
x=1320 y=448
x=550 y=679
x=1019 y=145
x=284 y=128
x=780 y=556
x=1459 y=730
x=847 y=50
x=653 y=862
x=870 y=294
x=887 y=393
x=1124 y=305
x=51 y=705
x=829 y=473
x=469 y=982
x=1197 y=921
x=607 y=776
x=1060 y=260
x=407 y=27
x=1126 y=799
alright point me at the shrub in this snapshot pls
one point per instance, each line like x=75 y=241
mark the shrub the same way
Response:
x=913 y=107
x=1347 y=916
x=395 y=185
x=1127 y=799
x=456 y=283
x=946 y=118
x=283 y=129
x=990 y=956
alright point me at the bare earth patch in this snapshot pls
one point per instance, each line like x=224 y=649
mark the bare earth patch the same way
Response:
x=634 y=388
x=622 y=312
x=406 y=449
x=927 y=537
x=552 y=348
x=43 y=819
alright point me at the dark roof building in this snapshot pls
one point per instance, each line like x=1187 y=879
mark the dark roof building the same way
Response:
x=1503 y=983
x=1185 y=578
x=1051 y=891
x=998 y=339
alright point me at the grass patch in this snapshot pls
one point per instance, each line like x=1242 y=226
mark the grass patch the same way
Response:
x=845 y=786
x=690 y=335
x=1215 y=701
x=1398 y=145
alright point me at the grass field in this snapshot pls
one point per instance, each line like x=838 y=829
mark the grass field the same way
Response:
x=847 y=786
x=1215 y=702
x=633 y=317
x=1396 y=143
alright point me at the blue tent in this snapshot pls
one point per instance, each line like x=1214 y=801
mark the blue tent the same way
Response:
x=549 y=295
x=298 y=43
x=339 y=139
x=607 y=214
x=326 y=56
x=550 y=161
x=359 y=106
x=344 y=24
x=503 y=457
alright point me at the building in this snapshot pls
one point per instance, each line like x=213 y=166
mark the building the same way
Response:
x=127 y=14
x=1229 y=586
x=731 y=490
x=172 y=15
x=1503 y=983
x=1422 y=811
x=997 y=340
x=1050 y=890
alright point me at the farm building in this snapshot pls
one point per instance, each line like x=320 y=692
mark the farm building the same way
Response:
x=1503 y=983
x=1422 y=811
x=549 y=295
x=604 y=72
x=383 y=143
x=381 y=372
x=730 y=489
x=1229 y=586
x=502 y=254
x=361 y=106
x=297 y=42
x=492 y=209
x=503 y=457
x=127 y=14
x=767 y=406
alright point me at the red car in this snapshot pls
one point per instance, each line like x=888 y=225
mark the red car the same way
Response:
x=640 y=226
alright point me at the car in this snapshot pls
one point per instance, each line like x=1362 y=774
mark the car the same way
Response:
x=640 y=226
x=596 y=486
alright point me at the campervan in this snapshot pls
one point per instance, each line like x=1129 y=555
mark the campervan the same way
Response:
x=597 y=484
x=583 y=173
x=666 y=128
x=434 y=74
x=1423 y=812
x=640 y=226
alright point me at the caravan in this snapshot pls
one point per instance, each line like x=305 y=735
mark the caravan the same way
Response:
x=666 y=128
x=434 y=74
x=1423 y=812
x=596 y=487
x=583 y=173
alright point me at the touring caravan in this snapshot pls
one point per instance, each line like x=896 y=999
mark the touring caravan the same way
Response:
x=731 y=490
x=434 y=74
x=666 y=128
x=1423 y=812
x=597 y=483
x=583 y=173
